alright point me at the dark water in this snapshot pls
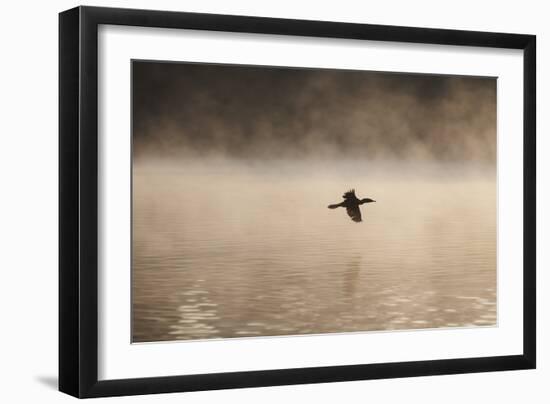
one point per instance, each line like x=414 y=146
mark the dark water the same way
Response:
x=230 y=250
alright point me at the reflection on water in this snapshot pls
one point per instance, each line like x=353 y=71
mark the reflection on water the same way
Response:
x=222 y=250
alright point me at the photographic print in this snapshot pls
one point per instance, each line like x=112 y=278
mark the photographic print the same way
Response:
x=276 y=201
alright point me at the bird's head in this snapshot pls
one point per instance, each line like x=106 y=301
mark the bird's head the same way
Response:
x=367 y=200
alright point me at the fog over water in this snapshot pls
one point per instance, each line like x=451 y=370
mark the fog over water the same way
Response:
x=234 y=168
x=244 y=111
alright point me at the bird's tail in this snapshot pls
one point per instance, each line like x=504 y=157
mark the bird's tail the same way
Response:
x=334 y=206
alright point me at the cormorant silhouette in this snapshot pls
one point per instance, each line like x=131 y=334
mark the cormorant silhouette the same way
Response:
x=351 y=203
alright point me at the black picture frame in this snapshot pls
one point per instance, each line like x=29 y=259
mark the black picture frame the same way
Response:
x=78 y=201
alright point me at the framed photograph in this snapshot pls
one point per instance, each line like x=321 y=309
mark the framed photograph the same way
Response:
x=251 y=201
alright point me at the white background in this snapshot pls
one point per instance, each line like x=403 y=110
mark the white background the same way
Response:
x=28 y=211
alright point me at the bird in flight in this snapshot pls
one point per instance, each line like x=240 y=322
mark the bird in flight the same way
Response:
x=351 y=203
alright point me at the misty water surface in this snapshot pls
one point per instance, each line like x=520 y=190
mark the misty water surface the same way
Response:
x=230 y=249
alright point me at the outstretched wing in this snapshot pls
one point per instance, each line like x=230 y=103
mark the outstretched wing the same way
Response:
x=350 y=194
x=355 y=213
